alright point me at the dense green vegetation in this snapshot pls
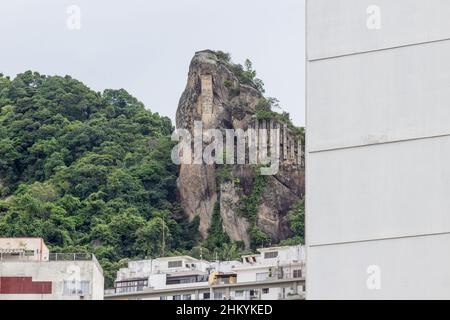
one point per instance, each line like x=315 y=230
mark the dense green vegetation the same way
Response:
x=216 y=235
x=87 y=171
x=296 y=217
x=245 y=73
x=265 y=111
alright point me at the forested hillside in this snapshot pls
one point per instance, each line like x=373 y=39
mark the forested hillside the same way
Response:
x=92 y=172
x=87 y=171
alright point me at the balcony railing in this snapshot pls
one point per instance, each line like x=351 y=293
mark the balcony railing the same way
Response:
x=71 y=257
x=74 y=257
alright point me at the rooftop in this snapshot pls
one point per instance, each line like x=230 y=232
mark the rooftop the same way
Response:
x=275 y=248
x=187 y=273
x=177 y=258
x=27 y=238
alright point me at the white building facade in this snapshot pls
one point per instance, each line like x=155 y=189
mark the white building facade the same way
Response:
x=378 y=138
x=272 y=264
x=29 y=272
x=175 y=272
x=23 y=249
x=273 y=273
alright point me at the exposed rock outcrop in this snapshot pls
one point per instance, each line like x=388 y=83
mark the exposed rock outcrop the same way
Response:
x=215 y=96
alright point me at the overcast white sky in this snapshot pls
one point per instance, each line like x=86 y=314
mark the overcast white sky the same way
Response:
x=145 y=46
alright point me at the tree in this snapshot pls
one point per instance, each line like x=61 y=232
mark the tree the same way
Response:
x=217 y=236
x=258 y=238
x=296 y=218
x=153 y=237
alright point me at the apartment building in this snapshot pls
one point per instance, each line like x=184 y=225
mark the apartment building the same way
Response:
x=161 y=272
x=272 y=264
x=28 y=271
x=272 y=273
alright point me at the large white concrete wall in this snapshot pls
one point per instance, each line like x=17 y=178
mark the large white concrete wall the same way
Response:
x=410 y=268
x=98 y=282
x=57 y=272
x=378 y=149
x=387 y=95
x=339 y=27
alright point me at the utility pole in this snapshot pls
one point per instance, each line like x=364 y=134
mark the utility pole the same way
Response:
x=164 y=238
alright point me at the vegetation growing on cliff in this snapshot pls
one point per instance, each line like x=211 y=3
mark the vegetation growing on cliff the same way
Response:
x=265 y=111
x=216 y=235
x=218 y=244
x=296 y=217
x=250 y=203
x=265 y=108
x=245 y=74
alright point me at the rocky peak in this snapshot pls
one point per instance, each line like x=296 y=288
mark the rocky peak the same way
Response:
x=223 y=95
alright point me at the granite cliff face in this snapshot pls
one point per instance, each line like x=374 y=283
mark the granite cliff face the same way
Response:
x=216 y=95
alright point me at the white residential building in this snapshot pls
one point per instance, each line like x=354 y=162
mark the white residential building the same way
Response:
x=180 y=271
x=276 y=263
x=272 y=273
x=29 y=272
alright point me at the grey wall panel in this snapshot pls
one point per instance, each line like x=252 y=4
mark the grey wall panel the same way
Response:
x=410 y=268
x=378 y=149
x=379 y=96
x=388 y=190
x=339 y=27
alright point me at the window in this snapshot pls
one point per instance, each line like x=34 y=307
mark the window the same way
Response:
x=163 y=298
x=29 y=253
x=262 y=276
x=175 y=264
x=239 y=294
x=297 y=273
x=75 y=288
x=265 y=290
x=177 y=297
x=251 y=259
x=131 y=286
x=218 y=295
x=270 y=255
x=203 y=278
x=187 y=280
x=187 y=297
x=206 y=296
x=178 y=280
